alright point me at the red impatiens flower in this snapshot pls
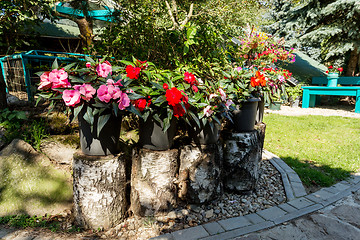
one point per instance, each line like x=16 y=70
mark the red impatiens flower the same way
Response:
x=195 y=88
x=258 y=80
x=190 y=78
x=165 y=86
x=330 y=67
x=173 y=96
x=142 y=64
x=140 y=104
x=340 y=69
x=133 y=72
x=179 y=111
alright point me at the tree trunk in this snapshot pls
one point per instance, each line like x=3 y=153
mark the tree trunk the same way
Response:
x=152 y=181
x=99 y=190
x=86 y=31
x=199 y=173
x=3 y=103
x=353 y=62
x=242 y=154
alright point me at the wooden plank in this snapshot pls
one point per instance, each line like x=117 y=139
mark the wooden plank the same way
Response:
x=341 y=80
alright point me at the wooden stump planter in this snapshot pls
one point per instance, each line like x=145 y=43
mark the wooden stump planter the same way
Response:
x=99 y=187
x=199 y=173
x=242 y=154
x=153 y=176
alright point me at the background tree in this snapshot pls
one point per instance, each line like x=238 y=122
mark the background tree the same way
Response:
x=328 y=30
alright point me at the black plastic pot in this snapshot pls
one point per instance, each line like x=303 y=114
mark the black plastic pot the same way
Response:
x=106 y=143
x=204 y=134
x=245 y=116
x=260 y=111
x=151 y=135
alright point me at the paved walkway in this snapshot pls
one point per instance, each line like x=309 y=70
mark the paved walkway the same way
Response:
x=330 y=213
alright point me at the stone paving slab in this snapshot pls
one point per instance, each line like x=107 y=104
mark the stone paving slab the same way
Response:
x=254 y=218
x=271 y=213
x=232 y=223
x=300 y=203
x=286 y=207
x=190 y=233
x=213 y=228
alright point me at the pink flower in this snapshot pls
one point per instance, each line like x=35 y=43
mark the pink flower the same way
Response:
x=71 y=97
x=228 y=103
x=124 y=101
x=238 y=69
x=222 y=95
x=45 y=82
x=86 y=90
x=107 y=92
x=59 y=79
x=103 y=94
x=88 y=65
x=110 y=81
x=195 y=88
x=281 y=78
x=104 y=69
x=212 y=96
x=208 y=111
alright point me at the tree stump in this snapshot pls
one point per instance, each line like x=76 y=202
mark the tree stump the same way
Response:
x=99 y=190
x=242 y=154
x=153 y=176
x=199 y=173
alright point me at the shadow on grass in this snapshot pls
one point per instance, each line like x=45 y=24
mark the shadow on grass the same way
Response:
x=313 y=174
x=32 y=187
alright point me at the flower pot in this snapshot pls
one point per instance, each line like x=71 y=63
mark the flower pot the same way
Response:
x=260 y=111
x=276 y=106
x=332 y=79
x=245 y=116
x=151 y=135
x=205 y=134
x=295 y=103
x=106 y=143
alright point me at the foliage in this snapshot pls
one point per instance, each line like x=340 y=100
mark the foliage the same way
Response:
x=294 y=92
x=327 y=30
x=24 y=221
x=18 y=17
x=311 y=146
x=17 y=125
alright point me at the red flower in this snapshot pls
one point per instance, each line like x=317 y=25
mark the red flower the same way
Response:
x=165 y=86
x=141 y=64
x=259 y=79
x=133 y=72
x=330 y=67
x=141 y=104
x=194 y=88
x=190 y=78
x=327 y=71
x=179 y=111
x=340 y=69
x=173 y=96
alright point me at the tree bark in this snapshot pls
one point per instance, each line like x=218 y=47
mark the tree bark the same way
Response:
x=199 y=173
x=86 y=31
x=153 y=181
x=99 y=185
x=353 y=62
x=3 y=102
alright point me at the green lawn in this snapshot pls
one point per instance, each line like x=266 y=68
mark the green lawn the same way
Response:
x=322 y=150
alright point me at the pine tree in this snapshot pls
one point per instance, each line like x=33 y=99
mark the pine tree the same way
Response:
x=328 y=30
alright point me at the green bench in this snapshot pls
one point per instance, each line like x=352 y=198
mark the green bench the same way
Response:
x=350 y=86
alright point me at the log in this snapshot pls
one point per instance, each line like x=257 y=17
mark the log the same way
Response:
x=99 y=184
x=153 y=175
x=242 y=154
x=199 y=173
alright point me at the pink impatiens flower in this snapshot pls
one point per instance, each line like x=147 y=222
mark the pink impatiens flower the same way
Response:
x=124 y=101
x=45 y=82
x=107 y=92
x=228 y=103
x=86 y=90
x=208 y=111
x=71 y=97
x=104 y=69
x=59 y=79
x=88 y=65
x=222 y=95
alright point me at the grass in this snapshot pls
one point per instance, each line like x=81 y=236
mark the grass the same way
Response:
x=322 y=150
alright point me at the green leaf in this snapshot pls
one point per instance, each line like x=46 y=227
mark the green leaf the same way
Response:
x=216 y=119
x=133 y=110
x=69 y=66
x=157 y=118
x=89 y=59
x=88 y=116
x=116 y=68
x=115 y=108
x=158 y=86
x=77 y=110
x=76 y=79
x=146 y=115
x=102 y=120
x=148 y=74
x=127 y=62
x=194 y=117
x=134 y=96
x=55 y=64
x=166 y=124
x=126 y=83
x=160 y=99
x=39 y=73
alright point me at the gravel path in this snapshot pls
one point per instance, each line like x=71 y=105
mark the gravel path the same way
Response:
x=343 y=111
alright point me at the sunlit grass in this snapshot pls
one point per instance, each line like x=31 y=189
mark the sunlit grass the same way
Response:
x=322 y=150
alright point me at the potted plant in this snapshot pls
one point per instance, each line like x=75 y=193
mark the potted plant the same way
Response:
x=333 y=75
x=294 y=94
x=96 y=94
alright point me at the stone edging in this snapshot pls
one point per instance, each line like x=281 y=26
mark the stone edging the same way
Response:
x=299 y=204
